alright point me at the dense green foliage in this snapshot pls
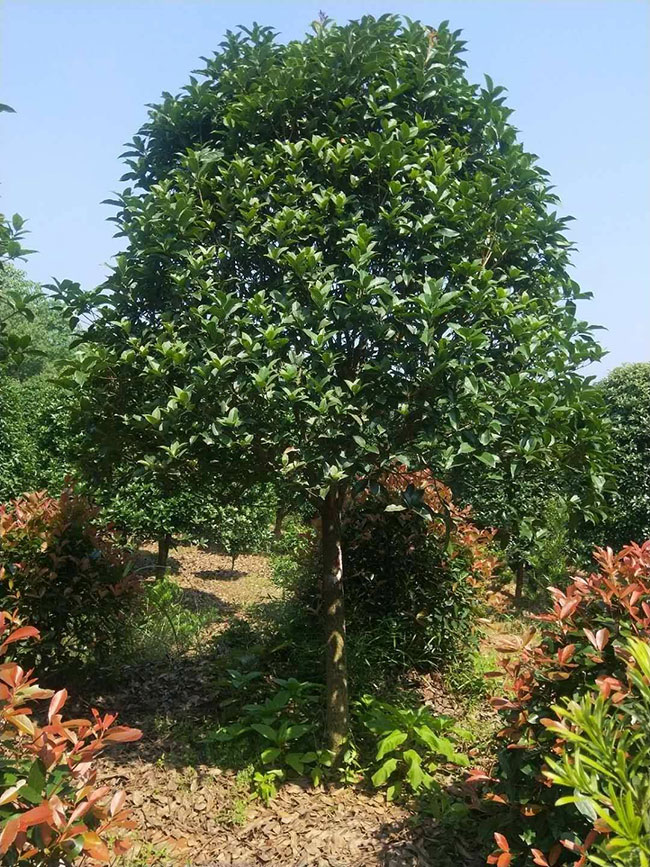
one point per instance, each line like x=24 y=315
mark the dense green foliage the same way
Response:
x=410 y=580
x=228 y=518
x=35 y=436
x=626 y=391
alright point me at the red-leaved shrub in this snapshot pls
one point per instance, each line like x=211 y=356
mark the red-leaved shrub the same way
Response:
x=51 y=810
x=582 y=646
x=63 y=572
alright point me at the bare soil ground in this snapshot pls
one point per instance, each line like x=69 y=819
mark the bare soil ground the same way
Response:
x=195 y=814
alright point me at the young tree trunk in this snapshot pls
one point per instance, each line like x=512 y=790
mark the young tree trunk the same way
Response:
x=280 y=515
x=519 y=579
x=338 y=714
x=164 y=543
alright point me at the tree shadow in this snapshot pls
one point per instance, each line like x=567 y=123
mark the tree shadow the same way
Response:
x=220 y=574
x=424 y=842
x=201 y=600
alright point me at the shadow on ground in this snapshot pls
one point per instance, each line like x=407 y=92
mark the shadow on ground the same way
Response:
x=220 y=574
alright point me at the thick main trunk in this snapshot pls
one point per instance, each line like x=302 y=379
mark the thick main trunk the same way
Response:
x=164 y=544
x=338 y=713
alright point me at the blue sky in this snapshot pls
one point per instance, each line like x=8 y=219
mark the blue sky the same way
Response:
x=79 y=74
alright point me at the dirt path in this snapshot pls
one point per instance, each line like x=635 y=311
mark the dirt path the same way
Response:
x=201 y=815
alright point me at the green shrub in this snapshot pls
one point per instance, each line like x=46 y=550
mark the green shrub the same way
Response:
x=605 y=760
x=244 y=527
x=62 y=571
x=35 y=437
x=411 y=562
x=626 y=391
x=234 y=521
x=410 y=577
x=282 y=731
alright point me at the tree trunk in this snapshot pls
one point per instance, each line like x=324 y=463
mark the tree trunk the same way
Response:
x=164 y=543
x=519 y=579
x=280 y=515
x=338 y=713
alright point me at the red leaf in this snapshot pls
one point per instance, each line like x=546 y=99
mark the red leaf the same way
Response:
x=123 y=734
x=565 y=653
x=20 y=634
x=501 y=842
x=9 y=834
x=504 y=859
x=117 y=802
x=98 y=794
x=36 y=816
x=602 y=637
x=95 y=847
x=571 y=846
x=58 y=700
x=539 y=858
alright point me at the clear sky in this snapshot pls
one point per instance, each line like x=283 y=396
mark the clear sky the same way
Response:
x=79 y=72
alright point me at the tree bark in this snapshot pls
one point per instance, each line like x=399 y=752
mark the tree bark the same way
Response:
x=338 y=712
x=519 y=579
x=164 y=544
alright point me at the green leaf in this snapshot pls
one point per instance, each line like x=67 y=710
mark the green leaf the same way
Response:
x=270 y=755
x=295 y=761
x=382 y=774
x=415 y=776
x=390 y=742
x=266 y=731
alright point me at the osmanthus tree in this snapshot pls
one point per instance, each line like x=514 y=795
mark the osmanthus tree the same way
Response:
x=339 y=257
x=14 y=304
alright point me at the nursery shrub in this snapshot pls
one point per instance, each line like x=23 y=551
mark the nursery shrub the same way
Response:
x=61 y=570
x=582 y=645
x=35 y=438
x=231 y=520
x=411 y=570
x=627 y=395
x=606 y=763
x=51 y=810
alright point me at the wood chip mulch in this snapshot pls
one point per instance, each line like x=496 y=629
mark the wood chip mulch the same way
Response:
x=191 y=812
x=301 y=827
